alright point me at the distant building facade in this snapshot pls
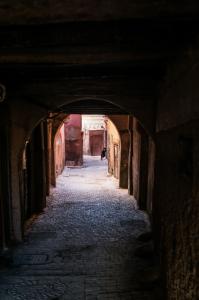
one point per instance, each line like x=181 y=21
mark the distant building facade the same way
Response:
x=94 y=130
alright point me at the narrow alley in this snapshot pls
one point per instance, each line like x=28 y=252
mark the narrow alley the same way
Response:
x=84 y=244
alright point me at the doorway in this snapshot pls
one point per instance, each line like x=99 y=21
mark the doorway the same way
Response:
x=96 y=142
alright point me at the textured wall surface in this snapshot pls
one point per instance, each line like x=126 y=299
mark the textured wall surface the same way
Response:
x=177 y=194
x=113 y=139
x=60 y=150
x=179 y=101
x=176 y=209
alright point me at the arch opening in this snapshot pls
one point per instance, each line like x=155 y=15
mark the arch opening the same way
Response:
x=128 y=145
x=87 y=135
x=83 y=198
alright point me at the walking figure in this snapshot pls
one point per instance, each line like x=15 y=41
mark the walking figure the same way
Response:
x=103 y=153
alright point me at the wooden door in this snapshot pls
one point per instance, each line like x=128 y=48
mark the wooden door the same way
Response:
x=96 y=144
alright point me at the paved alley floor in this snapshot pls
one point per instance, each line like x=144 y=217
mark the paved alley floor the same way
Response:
x=82 y=246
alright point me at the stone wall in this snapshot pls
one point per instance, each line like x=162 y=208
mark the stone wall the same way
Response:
x=175 y=208
x=177 y=196
x=179 y=101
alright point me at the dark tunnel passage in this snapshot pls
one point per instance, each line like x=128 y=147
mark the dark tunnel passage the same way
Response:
x=73 y=224
x=89 y=226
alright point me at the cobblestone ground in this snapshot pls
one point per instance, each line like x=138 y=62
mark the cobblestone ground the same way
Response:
x=82 y=246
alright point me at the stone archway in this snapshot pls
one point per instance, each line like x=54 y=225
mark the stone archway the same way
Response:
x=26 y=116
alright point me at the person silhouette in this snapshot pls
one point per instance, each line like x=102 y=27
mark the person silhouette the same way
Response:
x=103 y=153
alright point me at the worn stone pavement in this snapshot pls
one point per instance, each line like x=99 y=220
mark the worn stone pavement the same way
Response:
x=82 y=246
